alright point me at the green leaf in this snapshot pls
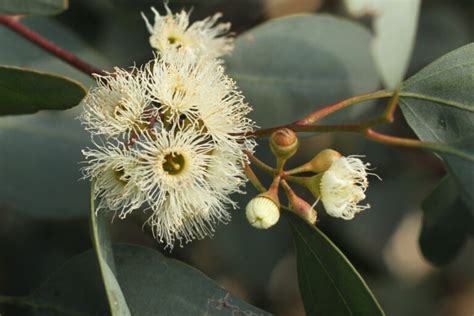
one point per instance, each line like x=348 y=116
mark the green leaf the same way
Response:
x=26 y=91
x=461 y=170
x=291 y=66
x=329 y=284
x=446 y=223
x=103 y=249
x=151 y=283
x=39 y=7
x=438 y=104
x=40 y=153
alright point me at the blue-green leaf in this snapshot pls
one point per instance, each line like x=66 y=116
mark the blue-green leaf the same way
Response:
x=151 y=283
x=39 y=7
x=292 y=66
x=329 y=284
x=438 y=104
x=24 y=91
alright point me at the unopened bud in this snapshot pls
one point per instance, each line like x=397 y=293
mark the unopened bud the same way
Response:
x=262 y=212
x=284 y=143
x=303 y=209
x=299 y=206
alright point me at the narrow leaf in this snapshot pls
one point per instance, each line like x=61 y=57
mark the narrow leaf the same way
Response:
x=103 y=249
x=39 y=7
x=26 y=91
x=329 y=284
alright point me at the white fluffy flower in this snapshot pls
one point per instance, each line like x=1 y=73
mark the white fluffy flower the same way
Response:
x=343 y=186
x=119 y=104
x=174 y=171
x=190 y=89
x=112 y=167
x=173 y=31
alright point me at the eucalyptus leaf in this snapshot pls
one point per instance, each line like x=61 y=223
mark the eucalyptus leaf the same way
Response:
x=39 y=7
x=25 y=91
x=438 y=104
x=103 y=249
x=329 y=284
x=292 y=66
x=40 y=153
x=151 y=283
x=446 y=222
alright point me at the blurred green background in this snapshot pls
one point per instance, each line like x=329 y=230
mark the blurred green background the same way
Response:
x=258 y=266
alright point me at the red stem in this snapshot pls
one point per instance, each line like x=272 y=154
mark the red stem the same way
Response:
x=13 y=24
x=297 y=127
x=317 y=115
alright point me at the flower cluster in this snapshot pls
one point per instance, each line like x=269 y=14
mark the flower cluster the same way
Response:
x=338 y=182
x=169 y=136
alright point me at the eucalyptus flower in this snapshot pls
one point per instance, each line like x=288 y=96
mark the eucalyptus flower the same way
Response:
x=119 y=104
x=174 y=31
x=192 y=90
x=178 y=171
x=343 y=186
x=113 y=169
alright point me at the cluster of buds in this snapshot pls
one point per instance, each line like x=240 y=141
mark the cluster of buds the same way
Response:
x=338 y=182
x=170 y=136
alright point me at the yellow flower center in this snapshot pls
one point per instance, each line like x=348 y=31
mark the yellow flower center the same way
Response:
x=174 y=163
x=120 y=176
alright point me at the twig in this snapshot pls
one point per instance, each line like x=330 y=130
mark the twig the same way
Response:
x=35 y=38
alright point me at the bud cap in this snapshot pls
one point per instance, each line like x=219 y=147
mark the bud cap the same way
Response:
x=262 y=212
x=284 y=143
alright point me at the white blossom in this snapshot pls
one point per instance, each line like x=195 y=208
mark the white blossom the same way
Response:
x=190 y=89
x=181 y=124
x=119 y=104
x=112 y=167
x=176 y=172
x=174 y=31
x=343 y=186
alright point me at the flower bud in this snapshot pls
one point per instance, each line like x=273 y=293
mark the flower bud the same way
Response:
x=262 y=212
x=299 y=206
x=303 y=209
x=284 y=143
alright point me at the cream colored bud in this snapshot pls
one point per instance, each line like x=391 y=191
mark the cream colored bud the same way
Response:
x=262 y=212
x=284 y=143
